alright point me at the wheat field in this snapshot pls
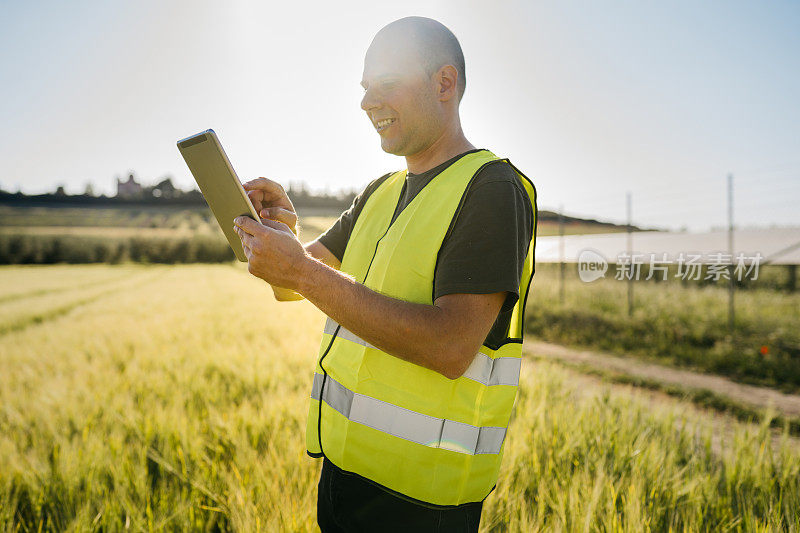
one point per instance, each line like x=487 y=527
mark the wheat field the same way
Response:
x=156 y=397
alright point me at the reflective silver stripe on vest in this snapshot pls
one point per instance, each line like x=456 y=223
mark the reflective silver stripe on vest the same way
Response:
x=500 y=371
x=330 y=327
x=406 y=424
x=483 y=369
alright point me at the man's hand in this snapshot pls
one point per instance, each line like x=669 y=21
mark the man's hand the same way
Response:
x=271 y=201
x=273 y=252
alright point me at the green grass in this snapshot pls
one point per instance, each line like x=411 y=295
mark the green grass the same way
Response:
x=685 y=326
x=175 y=398
x=701 y=397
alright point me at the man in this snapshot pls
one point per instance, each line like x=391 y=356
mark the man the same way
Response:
x=424 y=280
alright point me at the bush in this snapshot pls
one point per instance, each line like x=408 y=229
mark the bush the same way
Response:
x=680 y=324
x=16 y=249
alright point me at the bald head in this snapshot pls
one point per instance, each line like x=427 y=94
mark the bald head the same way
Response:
x=429 y=41
x=413 y=82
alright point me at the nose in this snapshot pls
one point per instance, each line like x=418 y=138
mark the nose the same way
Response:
x=369 y=101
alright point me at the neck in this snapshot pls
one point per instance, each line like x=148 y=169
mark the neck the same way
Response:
x=450 y=143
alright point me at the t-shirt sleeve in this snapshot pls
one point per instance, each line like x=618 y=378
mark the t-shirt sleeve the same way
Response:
x=489 y=238
x=335 y=238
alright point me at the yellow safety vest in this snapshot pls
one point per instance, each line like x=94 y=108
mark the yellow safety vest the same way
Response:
x=408 y=428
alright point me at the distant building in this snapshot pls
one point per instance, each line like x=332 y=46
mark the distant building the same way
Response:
x=165 y=189
x=129 y=189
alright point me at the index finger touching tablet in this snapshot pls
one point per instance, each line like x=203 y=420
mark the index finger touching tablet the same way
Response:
x=267 y=192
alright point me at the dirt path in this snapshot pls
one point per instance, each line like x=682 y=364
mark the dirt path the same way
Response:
x=760 y=397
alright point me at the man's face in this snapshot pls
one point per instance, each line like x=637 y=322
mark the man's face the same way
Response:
x=400 y=97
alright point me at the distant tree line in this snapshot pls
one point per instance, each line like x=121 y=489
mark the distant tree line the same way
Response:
x=165 y=193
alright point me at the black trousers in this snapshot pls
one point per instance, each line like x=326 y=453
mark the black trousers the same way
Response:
x=348 y=503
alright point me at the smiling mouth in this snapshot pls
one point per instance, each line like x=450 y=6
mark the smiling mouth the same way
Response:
x=384 y=123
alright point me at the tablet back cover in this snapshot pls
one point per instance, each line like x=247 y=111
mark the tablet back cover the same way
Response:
x=219 y=184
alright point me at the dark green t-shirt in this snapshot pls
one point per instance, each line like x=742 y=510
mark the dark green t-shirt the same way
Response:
x=484 y=249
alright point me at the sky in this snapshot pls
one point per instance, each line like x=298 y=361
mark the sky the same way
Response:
x=591 y=100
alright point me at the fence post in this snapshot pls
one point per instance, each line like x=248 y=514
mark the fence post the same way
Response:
x=561 y=253
x=730 y=251
x=630 y=255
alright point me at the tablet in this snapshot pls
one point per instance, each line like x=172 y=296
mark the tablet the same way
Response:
x=219 y=184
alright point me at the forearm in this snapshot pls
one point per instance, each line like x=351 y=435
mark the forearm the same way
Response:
x=443 y=337
x=410 y=331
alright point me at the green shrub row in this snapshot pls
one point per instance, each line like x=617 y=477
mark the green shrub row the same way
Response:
x=683 y=324
x=49 y=249
x=702 y=345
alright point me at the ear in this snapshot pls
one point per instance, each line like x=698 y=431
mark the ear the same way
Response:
x=447 y=80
